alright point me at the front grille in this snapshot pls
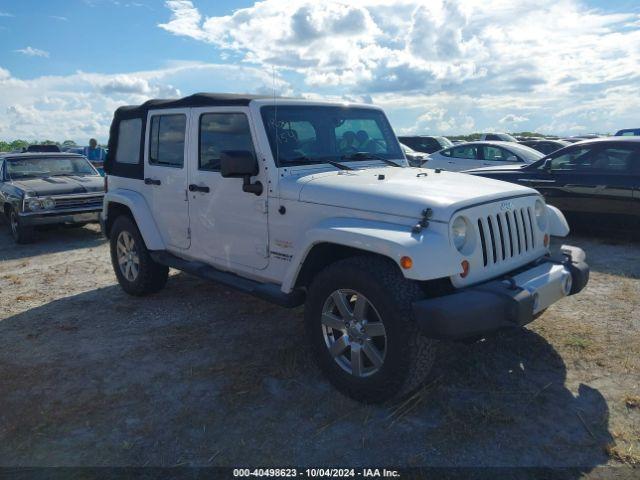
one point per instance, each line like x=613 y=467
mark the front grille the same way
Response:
x=506 y=235
x=78 y=202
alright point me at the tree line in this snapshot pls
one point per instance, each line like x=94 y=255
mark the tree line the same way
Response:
x=17 y=145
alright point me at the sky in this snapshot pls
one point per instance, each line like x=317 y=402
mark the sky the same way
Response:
x=438 y=67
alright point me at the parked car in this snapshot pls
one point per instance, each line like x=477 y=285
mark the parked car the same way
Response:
x=628 y=132
x=545 y=146
x=572 y=139
x=48 y=188
x=415 y=159
x=594 y=182
x=424 y=143
x=264 y=195
x=500 y=137
x=486 y=154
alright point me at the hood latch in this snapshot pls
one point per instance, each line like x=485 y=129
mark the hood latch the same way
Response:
x=427 y=213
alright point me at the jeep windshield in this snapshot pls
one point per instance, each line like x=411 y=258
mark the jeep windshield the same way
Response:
x=302 y=134
x=43 y=167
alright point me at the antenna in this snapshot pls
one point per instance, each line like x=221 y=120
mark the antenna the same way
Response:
x=275 y=117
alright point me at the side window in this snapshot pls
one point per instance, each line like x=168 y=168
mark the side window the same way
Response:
x=466 y=152
x=129 y=135
x=571 y=160
x=220 y=132
x=166 y=140
x=614 y=160
x=446 y=153
x=495 y=154
x=491 y=136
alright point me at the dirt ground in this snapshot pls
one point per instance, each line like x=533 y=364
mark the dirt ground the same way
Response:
x=202 y=375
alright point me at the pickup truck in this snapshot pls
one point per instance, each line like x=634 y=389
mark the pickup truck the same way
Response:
x=304 y=202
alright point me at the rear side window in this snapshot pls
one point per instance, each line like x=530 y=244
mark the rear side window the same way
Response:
x=220 y=132
x=467 y=152
x=166 y=140
x=129 y=133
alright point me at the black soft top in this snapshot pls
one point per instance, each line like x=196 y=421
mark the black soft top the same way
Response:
x=195 y=100
x=130 y=112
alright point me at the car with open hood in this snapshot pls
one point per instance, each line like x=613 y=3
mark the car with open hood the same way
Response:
x=310 y=203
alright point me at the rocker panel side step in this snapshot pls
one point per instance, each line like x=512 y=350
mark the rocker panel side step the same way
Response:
x=266 y=291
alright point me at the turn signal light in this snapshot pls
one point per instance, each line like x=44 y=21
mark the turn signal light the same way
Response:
x=465 y=268
x=406 y=263
x=546 y=239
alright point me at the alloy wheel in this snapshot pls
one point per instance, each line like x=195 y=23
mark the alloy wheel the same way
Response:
x=354 y=333
x=128 y=258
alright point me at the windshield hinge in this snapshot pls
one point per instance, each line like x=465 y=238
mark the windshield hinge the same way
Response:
x=262 y=206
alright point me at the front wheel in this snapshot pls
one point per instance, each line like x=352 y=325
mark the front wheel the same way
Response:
x=359 y=322
x=138 y=274
x=19 y=232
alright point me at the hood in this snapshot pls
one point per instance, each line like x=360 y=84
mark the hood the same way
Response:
x=402 y=191
x=506 y=168
x=43 y=187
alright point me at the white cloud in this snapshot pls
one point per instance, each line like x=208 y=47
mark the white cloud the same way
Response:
x=5 y=14
x=512 y=118
x=529 y=59
x=59 y=17
x=81 y=105
x=33 y=52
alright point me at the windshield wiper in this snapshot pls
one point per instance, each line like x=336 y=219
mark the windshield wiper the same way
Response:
x=304 y=158
x=367 y=155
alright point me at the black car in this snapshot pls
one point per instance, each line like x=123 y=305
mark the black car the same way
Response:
x=48 y=188
x=628 y=132
x=594 y=182
x=425 y=144
x=545 y=146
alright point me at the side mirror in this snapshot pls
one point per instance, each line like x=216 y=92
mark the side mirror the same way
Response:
x=241 y=164
x=238 y=164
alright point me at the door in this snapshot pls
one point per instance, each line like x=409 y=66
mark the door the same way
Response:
x=456 y=159
x=165 y=175
x=228 y=225
x=593 y=179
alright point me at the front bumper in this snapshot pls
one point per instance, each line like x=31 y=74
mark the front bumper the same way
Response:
x=54 y=217
x=511 y=301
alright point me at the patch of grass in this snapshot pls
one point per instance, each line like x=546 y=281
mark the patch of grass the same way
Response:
x=578 y=342
x=13 y=279
x=632 y=401
x=24 y=298
x=623 y=455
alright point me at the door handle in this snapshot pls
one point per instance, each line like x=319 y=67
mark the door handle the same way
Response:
x=151 y=181
x=198 y=188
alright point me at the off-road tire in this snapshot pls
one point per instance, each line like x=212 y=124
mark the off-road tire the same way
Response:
x=19 y=232
x=410 y=355
x=152 y=276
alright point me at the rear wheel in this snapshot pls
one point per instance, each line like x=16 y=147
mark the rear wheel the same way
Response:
x=19 y=232
x=138 y=274
x=360 y=325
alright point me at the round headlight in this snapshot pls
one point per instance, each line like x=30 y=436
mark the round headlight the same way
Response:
x=34 y=204
x=541 y=214
x=48 y=203
x=459 y=233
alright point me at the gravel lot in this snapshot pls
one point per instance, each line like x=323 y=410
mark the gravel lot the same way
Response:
x=202 y=375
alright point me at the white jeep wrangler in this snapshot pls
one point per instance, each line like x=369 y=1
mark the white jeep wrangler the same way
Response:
x=298 y=202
